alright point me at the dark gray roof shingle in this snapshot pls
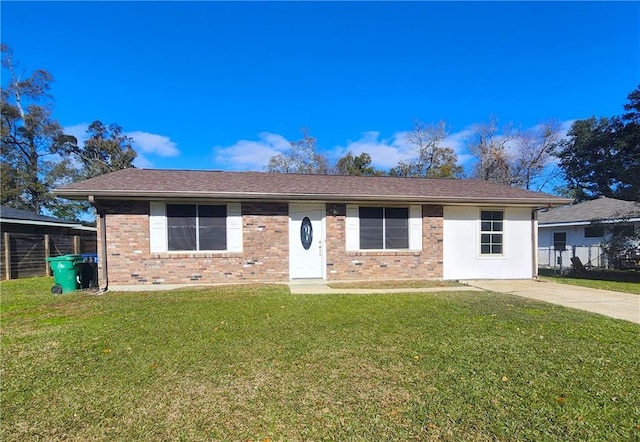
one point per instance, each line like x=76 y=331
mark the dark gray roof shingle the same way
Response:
x=8 y=213
x=601 y=208
x=153 y=183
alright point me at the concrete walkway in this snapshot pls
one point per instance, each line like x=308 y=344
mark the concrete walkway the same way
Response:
x=605 y=302
x=312 y=286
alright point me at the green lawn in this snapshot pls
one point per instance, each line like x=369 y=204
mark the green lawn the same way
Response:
x=255 y=362
x=618 y=286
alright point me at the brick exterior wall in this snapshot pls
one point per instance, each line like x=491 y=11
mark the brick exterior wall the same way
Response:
x=265 y=255
x=365 y=265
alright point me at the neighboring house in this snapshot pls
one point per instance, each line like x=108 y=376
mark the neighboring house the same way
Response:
x=579 y=230
x=27 y=239
x=186 y=227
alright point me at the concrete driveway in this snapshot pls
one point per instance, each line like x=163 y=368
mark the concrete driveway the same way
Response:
x=614 y=304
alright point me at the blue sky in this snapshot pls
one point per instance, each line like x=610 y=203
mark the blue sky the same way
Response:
x=225 y=85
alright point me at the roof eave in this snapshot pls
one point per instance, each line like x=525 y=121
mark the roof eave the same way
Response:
x=47 y=223
x=262 y=196
x=587 y=222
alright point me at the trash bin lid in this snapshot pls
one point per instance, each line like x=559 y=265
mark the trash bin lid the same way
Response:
x=65 y=258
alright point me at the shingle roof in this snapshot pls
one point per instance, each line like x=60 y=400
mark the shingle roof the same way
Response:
x=153 y=183
x=601 y=208
x=8 y=213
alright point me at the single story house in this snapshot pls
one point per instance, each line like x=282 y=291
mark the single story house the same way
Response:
x=186 y=227
x=29 y=238
x=578 y=230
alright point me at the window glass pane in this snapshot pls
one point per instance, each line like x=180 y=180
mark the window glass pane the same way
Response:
x=559 y=240
x=213 y=227
x=371 y=228
x=397 y=213
x=181 y=226
x=396 y=228
x=594 y=232
x=491 y=215
x=491 y=221
x=560 y=236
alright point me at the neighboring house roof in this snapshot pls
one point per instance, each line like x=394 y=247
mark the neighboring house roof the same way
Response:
x=602 y=208
x=19 y=216
x=152 y=183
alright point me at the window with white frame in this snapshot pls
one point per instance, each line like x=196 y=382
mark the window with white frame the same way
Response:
x=383 y=228
x=196 y=227
x=177 y=227
x=491 y=232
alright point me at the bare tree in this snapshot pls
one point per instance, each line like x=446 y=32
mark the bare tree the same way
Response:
x=432 y=159
x=489 y=146
x=533 y=153
x=302 y=157
x=515 y=157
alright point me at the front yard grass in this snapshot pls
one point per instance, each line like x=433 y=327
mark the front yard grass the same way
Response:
x=617 y=286
x=255 y=362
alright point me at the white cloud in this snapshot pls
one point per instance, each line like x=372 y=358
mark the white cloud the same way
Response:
x=255 y=154
x=250 y=154
x=565 y=127
x=143 y=142
x=385 y=154
x=77 y=130
x=142 y=162
x=154 y=144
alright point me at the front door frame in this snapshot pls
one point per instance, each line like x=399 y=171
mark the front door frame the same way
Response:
x=294 y=238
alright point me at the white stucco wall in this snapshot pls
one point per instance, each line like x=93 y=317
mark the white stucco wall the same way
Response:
x=461 y=238
x=587 y=249
x=575 y=236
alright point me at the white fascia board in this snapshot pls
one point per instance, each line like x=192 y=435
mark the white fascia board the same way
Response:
x=46 y=223
x=588 y=223
x=346 y=198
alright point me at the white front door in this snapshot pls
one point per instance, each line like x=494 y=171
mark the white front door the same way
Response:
x=306 y=240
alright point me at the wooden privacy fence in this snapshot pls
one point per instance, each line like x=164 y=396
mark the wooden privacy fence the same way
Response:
x=24 y=255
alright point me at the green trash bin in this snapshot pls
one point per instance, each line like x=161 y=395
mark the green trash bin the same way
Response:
x=65 y=273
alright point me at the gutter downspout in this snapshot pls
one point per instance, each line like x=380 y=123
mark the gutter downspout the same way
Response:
x=534 y=243
x=102 y=253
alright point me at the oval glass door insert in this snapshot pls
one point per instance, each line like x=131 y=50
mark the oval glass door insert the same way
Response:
x=306 y=233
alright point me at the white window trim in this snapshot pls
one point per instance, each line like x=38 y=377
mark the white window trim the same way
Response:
x=481 y=255
x=158 y=236
x=352 y=228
